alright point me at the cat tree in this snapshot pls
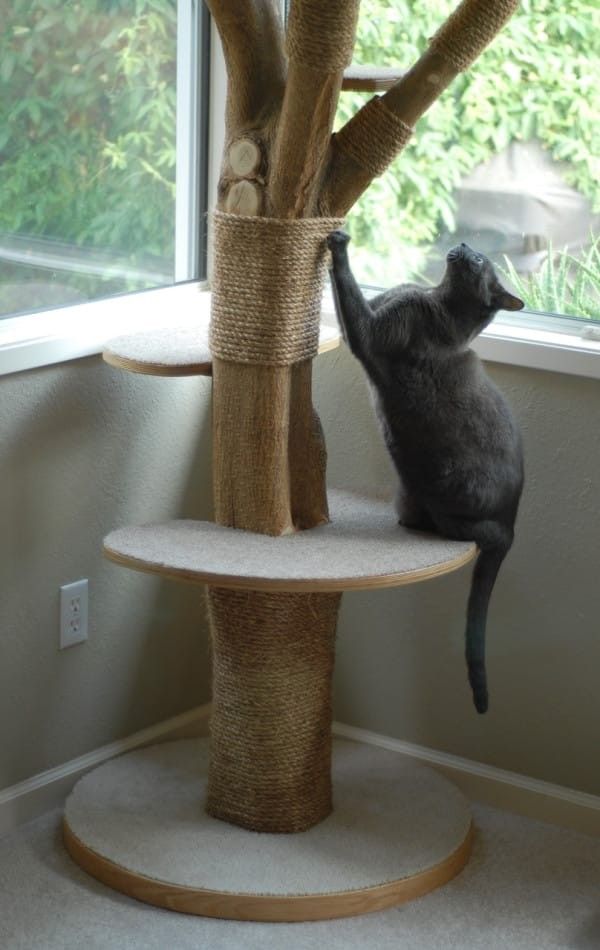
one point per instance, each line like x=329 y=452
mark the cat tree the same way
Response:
x=280 y=552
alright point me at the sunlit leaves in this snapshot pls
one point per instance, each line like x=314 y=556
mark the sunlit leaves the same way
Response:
x=87 y=122
x=538 y=80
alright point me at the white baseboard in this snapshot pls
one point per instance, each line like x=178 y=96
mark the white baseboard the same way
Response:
x=47 y=790
x=506 y=790
x=484 y=783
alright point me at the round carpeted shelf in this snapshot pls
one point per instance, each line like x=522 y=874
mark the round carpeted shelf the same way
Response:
x=397 y=831
x=362 y=547
x=179 y=350
x=370 y=78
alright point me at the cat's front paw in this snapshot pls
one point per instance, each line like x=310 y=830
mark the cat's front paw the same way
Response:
x=337 y=240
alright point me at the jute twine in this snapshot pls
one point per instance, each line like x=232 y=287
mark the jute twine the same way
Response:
x=271 y=727
x=268 y=278
x=373 y=137
x=321 y=35
x=470 y=28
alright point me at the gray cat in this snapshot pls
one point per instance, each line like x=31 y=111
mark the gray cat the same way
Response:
x=448 y=429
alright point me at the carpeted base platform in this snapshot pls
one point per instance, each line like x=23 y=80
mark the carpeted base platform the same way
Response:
x=397 y=831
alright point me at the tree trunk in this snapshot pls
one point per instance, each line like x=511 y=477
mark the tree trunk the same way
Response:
x=273 y=653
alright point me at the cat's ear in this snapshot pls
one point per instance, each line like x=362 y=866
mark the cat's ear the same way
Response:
x=506 y=301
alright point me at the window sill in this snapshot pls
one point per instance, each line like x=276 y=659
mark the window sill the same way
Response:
x=557 y=352
x=69 y=333
x=507 y=341
x=54 y=336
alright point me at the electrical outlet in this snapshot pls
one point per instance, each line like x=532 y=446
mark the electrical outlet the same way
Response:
x=73 y=613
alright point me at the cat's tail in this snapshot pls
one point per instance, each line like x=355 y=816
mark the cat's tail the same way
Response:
x=484 y=576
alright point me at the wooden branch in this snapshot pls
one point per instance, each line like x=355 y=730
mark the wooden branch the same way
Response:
x=320 y=41
x=252 y=36
x=454 y=47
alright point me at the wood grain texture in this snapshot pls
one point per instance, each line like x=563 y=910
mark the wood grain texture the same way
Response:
x=148 y=368
x=265 y=907
x=244 y=197
x=245 y=157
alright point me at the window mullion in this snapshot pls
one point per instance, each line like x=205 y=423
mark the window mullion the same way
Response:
x=193 y=54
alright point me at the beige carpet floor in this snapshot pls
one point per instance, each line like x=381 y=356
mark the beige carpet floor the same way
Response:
x=528 y=886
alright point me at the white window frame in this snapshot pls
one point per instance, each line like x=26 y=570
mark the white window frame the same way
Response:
x=72 y=332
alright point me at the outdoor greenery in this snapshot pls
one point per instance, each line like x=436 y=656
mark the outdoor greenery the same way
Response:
x=87 y=123
x=539 y=80
x=564 y=284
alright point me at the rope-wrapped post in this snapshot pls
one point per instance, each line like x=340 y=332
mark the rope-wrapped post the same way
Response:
x=319 y=45
x=270 y=767
x=267 y=290
x=273 y=653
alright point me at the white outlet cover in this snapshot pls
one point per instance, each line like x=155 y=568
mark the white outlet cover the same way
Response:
x=73 y=613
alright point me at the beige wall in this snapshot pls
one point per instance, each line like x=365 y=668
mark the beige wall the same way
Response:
x=400 y=668
x=84 y=448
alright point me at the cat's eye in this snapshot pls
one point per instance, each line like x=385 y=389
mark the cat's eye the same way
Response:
x=478 y=261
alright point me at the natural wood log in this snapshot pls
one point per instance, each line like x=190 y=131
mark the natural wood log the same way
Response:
x=307 y=453
x=244 y=197
x=245 y=157
x=251 y=478
x=252 y=36
x=302 y=142
x=316 y=69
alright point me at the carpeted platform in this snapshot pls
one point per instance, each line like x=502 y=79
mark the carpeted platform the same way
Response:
x=528 y=886
x=362 y=547
x=180 y=350
x=392 y=820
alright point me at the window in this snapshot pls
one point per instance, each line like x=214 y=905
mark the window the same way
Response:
x=507 y=160
x=91 y=166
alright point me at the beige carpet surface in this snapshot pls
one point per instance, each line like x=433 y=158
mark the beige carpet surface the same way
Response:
x=392 y=819
x=185 y=345
x=528 y=886
x=362 y=541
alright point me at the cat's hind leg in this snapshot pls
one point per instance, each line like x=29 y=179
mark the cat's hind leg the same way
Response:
x=411 y=513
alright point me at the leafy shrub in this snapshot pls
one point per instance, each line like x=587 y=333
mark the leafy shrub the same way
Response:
x=564 y=284
x=538 y=80
x=87 y=122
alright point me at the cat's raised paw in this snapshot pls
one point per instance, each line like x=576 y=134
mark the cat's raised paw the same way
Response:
x=337 y=239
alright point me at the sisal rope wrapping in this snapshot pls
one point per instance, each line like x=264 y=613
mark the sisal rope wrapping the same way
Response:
x=470 y=28
x=373 y=137
x=267 y=284
x=321 y=35
x=271 y=729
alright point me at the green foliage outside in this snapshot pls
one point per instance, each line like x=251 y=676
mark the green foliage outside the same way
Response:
x=87 y=123
x=564 y=284
x=539 y=80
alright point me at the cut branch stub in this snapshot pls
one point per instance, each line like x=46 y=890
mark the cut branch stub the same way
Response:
x=245 y=157
x=244 y=197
